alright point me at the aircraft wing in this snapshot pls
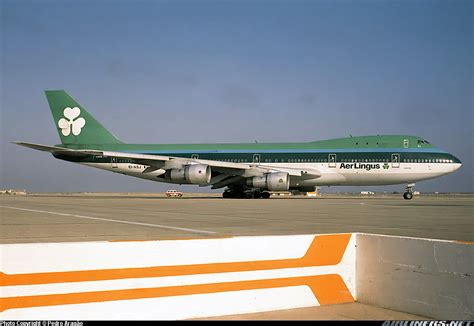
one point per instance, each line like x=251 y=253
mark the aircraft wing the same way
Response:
x=229 y=172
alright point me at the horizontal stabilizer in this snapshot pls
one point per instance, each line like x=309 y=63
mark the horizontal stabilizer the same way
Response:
x=51 y=149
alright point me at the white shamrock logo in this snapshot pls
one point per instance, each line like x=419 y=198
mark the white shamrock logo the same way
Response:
x=69 y=123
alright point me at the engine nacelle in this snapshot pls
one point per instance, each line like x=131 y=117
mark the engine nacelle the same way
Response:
x=277 y=181
x=195 y=174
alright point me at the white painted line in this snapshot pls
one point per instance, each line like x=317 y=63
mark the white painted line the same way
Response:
x=114 y=221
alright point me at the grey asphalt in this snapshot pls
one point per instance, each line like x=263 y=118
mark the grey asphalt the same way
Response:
x=92 y=217
x=345 y=311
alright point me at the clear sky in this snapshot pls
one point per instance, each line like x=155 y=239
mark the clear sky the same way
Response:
x=234 y=71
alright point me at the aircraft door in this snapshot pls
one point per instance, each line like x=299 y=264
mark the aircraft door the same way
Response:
x=113 y=161
x=395 y=160
x=406 y=143
x=256 y=158
x=332 y=160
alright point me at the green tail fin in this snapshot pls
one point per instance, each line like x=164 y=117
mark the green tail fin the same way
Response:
x=75 y=125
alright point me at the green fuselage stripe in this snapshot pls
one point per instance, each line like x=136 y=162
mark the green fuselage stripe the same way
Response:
x=289 y=157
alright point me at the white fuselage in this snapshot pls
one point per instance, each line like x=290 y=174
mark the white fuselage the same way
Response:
x=338 y=174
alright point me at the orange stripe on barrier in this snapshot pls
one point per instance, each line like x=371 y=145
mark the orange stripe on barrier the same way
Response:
x=328 y=289
x=324 y=250
x=465 y=242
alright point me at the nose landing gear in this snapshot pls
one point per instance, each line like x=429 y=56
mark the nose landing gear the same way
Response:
x=409 y=191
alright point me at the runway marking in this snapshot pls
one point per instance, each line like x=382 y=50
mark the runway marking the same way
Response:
x=114 y=221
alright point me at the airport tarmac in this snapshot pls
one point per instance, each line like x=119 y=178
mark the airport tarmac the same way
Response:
x=96 y=217
x=345 y=311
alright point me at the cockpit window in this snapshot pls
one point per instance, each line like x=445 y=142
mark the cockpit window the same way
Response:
x=422 y=141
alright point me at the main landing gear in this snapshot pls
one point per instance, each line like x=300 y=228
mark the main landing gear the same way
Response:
x=245 y=193
x=409 y=191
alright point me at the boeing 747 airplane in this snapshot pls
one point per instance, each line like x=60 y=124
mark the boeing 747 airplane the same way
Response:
x=248 y=170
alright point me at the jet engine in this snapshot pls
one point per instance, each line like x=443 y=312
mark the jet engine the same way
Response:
x=194 y=174
x=277 y=181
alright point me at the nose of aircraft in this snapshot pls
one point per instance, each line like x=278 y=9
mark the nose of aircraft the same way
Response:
x=456 y=163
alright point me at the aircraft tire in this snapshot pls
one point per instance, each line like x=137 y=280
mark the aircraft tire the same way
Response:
x=408 y=195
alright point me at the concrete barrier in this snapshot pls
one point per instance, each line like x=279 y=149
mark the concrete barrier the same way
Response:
x=175 y=279
x=183 y=279
x=425 y=277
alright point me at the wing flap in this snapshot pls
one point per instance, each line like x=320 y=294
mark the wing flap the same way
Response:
x=306 y=173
